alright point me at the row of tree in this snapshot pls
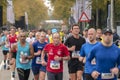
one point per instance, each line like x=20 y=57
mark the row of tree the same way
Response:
x=99 y=8
x=35 y=8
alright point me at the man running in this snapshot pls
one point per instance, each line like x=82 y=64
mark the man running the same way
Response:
x=5 y=48
x=12 y=38
x=107 y=56
x=56 y=53
x=38 y=70
x=85 y=50
x=23 y=56
x=74 y=44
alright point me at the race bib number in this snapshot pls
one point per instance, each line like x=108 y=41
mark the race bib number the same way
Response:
x=107 y=76
x=22 y=58
x=24 y=61
x=75 y=54
x=38 y=60
x=55 y=65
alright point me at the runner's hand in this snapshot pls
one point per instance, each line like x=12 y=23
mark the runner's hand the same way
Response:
x=115 y=70
x=39 y=52
x=95 y=74
x=57 y=58
x=44 y=63
x=72 y=48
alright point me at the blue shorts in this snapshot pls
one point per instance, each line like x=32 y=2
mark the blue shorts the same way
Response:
x=37 y=69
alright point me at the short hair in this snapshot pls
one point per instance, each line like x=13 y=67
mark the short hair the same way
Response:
x=42 y=30
x=55 y=33
x=12 y=27
x=37 y=33
x=42 y=33
x=74 y=25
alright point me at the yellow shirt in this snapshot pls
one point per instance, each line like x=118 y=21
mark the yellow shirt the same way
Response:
x=119 y=46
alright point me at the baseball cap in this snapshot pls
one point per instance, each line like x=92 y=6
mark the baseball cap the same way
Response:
x=54 y=30
x=107 y=30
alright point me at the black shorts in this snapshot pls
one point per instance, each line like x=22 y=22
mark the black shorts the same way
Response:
x=5 y=52
x=14 y=55
x=87 y=76
x=119 y=74
x=23 y=74
x=74 y=66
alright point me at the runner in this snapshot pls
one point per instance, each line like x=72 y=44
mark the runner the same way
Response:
x=74 y=44
x=85 y=50
x=12 y=38
x=107 y=56
x=23 y=55
x=85 y=34
x=5 y=48
x=56 y=52
x=99 y=35
x=38 y=70
x=30 y=39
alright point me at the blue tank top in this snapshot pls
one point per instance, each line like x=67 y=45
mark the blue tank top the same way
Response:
x=4 y=47
x=23 y=50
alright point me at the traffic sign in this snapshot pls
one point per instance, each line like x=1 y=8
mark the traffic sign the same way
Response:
x=84 y=18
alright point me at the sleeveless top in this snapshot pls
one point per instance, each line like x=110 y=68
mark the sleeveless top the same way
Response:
x=23 y=51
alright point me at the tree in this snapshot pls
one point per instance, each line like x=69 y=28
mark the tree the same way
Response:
x=62 y=9
x=3 y=4
x=35 y=8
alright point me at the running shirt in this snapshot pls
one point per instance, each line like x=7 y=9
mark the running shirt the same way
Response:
x=30 y=40
x=71 y=41
x=36 y=61
x=23 y=51
x=12 y=39
x=106 y=59
x=84 y=52
x=52 y=51
x=6 y=45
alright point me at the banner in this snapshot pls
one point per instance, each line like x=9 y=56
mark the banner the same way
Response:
x=88 y=8
x=10 y=12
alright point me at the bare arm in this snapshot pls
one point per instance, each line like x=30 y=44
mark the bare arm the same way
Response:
x=44 y=63
x=31 y=52
x=43 y=55
x=71 y=48
x=37 y=53
x=81 y=59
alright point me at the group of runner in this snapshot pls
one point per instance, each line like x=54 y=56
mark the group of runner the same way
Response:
x=91 y=56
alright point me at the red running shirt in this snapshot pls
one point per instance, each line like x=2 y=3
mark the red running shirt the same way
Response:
x=12 y=39
x=52 y=50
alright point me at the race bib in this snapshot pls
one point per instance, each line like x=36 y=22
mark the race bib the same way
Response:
x=38 y=60
x=7 y=45
x=55 y=65
x=22 y=60
x=107 y=76
x=75 y=54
